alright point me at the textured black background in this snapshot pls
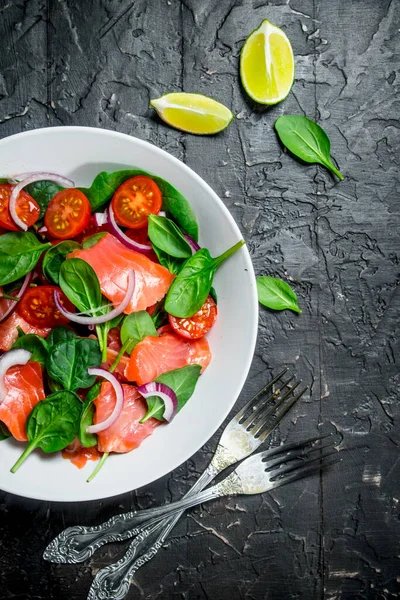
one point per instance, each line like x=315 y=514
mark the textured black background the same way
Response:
x=87 y=62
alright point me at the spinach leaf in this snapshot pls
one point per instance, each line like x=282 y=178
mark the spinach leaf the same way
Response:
x=159 y=316
x=54 y=386
x=60 y=334
x=306 y=140
x=43 y=192
x=191 y=287
x=68 y=362
x=174 y=265
x=166 y=236
x=52 y=424
x=80 y=284
x=19 y=254
x=183 y=381
x=54 y=258
x=276 y=294
x=35 y=344
x=105 y=184
x=93 y=239
x=213 y=294
x=4 y=433
x=88 y=439
x=135 y=328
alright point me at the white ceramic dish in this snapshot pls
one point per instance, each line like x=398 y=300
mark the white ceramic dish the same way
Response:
x=80 y=153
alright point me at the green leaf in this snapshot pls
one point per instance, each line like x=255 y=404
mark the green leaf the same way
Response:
x=35 y=344
x=60 y=334
x=213 y=294
x=68 y=362
x=88 y=439
x=52 y=424
x=135 y=328
x=105 y=184
x=166 y=236
x=93 y=239
x=43 y=192
x=276 y=294
x=19 y=254
x=306 y=140
x=4 y=433
x=54 y=258
x=191 y=287
x=174 y=265
x=80 y=284
x=183 y=381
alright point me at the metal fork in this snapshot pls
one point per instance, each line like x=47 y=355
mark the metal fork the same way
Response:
x=241 y=437
x=257 y=474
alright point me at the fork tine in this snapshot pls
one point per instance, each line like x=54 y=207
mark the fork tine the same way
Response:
x=264 y=405
x=306 y=470
x=251 y=402
x=267 y=413
x=278 y=417
x=294 y=465
x=288 y=447
x=299 y=453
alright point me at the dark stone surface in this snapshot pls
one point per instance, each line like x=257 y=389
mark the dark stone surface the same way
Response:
x=98 y=63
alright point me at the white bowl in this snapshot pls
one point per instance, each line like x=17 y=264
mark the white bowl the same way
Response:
x=80 y=153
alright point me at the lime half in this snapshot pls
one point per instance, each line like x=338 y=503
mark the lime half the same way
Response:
x=193 y=113
x=267 y=64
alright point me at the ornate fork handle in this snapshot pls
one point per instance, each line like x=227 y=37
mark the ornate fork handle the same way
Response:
x=77 y=544
x=114 y=580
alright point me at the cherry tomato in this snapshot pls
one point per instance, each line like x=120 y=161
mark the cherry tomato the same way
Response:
x=39 y=309
x=27 y=209
x=141 y=236
x=199 y=324
x=67 y=214
x=150 y=309
x=135 y=200
x=91 y=229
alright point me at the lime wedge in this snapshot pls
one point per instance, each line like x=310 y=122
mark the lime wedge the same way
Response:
x=193 y=113
x=267 y=64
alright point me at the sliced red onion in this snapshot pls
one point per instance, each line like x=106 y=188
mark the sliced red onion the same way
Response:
x=122 y=237
x=164 y=392
x=119 y=393
x=101 y=218
x=83 y=320
x=42 y=229
x=18 y=293
x=39 y=176
x=162 y=213
x=9 y=359
x=192 y=243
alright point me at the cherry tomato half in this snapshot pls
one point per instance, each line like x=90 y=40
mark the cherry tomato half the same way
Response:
x=67 y=214
x=135 y=200
x=199 y=324
x=27 y=209
x=39 y=309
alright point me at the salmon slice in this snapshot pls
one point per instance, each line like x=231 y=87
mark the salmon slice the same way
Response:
x=79 y=455
x=8 y=329
x=156 y=355
x=112 y=262
x=126 y=433
x=24 y=385
x=120 y=371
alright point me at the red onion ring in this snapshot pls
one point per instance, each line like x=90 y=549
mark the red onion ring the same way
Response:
x=122 y=237
x=39 y=176
x=164 y=392
x=18 y=293
x=119 y=393
x=83 y=320
x=10 y=359
x=42 y=229
x=100 y=218
x=192 y=243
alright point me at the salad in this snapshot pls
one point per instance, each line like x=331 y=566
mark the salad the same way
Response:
x=105 y=301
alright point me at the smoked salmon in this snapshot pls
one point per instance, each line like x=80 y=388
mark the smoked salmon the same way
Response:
x=156 y=355
x=112 y=261
x=79 y=455
x=126 y=433
x=24 y=384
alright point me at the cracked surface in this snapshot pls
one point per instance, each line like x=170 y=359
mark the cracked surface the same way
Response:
x=98 y=63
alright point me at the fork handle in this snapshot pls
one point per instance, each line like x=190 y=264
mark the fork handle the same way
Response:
x=77 y=544
x=114 y=580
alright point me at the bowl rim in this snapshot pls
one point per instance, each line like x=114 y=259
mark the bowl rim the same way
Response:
x=81 y=129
